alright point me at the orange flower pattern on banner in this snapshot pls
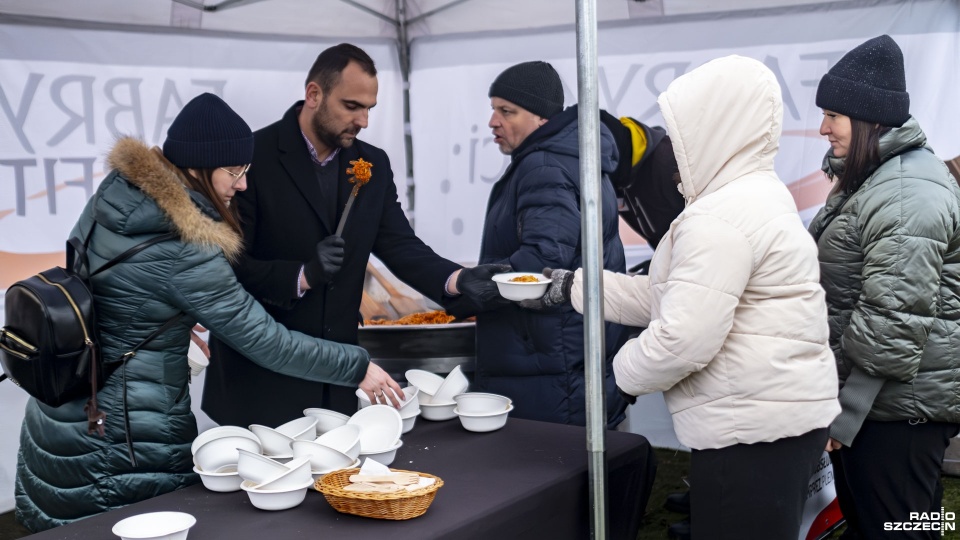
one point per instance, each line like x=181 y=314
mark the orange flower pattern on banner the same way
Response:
x=362 y=172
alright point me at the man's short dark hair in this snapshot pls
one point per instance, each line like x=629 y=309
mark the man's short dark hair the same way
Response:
x=330 y=64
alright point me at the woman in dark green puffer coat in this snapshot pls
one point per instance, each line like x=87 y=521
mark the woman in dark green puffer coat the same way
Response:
x=889 y=241
x=64 y=473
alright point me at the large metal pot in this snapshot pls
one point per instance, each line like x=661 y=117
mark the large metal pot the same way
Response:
x=432 y=347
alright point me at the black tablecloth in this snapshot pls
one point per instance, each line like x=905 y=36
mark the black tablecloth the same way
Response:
x=527 y=480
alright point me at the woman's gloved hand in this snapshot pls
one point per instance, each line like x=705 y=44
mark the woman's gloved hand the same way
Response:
x=558 y=293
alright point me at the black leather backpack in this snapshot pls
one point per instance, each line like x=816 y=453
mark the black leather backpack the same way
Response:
x=49 y=346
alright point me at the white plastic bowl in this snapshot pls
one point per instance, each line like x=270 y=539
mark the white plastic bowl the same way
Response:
x=409 y=420
x=385 y=457
x=298 y=471
x=519 y=290
x=255 y=467
x=438 y=411
x=380 y=427
x=217 y=453
x=304 y=428
x=155 y=526
x=318 y=474
x=226 y=481
x=273 y=442
x=345 y=438
x=454 y=383
x=321 y=456
x=409 y=401
x=276 y=499
x=481 y=403
x=219 y=432
x=326 y=419
x=482 y=423
x=427 y=382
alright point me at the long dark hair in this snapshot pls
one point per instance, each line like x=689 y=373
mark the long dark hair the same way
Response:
x=204 y=185
x=863 y=155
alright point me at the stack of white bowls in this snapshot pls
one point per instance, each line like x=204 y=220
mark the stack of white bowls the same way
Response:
x=216 y=453
x=380 y=430
x=482 y=412
x=409 y=405
x=276 y=442
x=336 y=449
x=272 y=485
x=437 y=393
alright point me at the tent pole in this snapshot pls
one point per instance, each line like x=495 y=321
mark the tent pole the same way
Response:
x=589 y=135
x=403 y=44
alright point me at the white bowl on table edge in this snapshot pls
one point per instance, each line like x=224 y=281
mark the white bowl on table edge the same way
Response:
x=298 y=470
x=345 y=438
x=155 y=526
x=425 y=381
x=219 y=432
x=320 y=456
x=481 y=402
x=257 y=467
x=518 y=290
x=482 y=423
x=223 y=482
x=409 y=421
x=303 y=428
x=318 y=474
x=326 y=419
x=409 y=401
x=454 y=383
x=272 y=441
x=438 y=411
x=385 y=457
x=276 y=499
x=380 y=427
x=217 y=453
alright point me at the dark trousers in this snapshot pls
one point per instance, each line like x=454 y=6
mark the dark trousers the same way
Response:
x=890 y=470
x=753 y=491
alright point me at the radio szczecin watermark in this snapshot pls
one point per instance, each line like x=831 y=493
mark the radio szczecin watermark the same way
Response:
x=925 y=521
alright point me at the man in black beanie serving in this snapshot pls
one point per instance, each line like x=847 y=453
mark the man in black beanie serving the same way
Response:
x=533 y=221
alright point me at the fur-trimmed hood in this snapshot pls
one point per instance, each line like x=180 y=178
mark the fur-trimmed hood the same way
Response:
x=164 y=201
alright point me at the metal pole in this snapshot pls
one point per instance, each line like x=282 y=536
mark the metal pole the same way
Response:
x=403 y=43
x=589 y=133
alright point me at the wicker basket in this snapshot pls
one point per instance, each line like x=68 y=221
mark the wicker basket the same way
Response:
x=397 y=505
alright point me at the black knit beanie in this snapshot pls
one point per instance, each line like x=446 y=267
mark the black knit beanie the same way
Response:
x=208 y=134
x=535 y=86
x=868 y=84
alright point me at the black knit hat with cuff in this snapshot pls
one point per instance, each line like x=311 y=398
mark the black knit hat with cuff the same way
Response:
x=208 y=134
x=868 y=84
x=535 y=86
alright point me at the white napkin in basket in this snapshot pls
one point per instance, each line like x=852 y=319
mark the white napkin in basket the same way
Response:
x=374 y=467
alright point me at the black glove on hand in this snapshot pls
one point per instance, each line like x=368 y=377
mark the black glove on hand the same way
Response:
x=626 y=397
x=476 y=284
x=558 y=293
x=326 y=263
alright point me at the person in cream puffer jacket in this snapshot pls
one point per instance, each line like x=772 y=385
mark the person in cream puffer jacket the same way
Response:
x=736 y=321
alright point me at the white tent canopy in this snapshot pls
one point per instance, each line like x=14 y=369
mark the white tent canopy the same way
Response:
x=73 y=75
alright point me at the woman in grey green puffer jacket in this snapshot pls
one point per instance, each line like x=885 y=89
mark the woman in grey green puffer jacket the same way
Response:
x=889 y=249
x=64 y=473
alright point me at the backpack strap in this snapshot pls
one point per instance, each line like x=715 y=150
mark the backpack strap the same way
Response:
x=123 y=368
x=133 y=251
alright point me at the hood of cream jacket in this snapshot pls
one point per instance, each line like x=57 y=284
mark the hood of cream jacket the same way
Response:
x=737 y=335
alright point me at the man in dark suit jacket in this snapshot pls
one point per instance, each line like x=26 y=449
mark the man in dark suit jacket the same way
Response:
x=309 y=278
